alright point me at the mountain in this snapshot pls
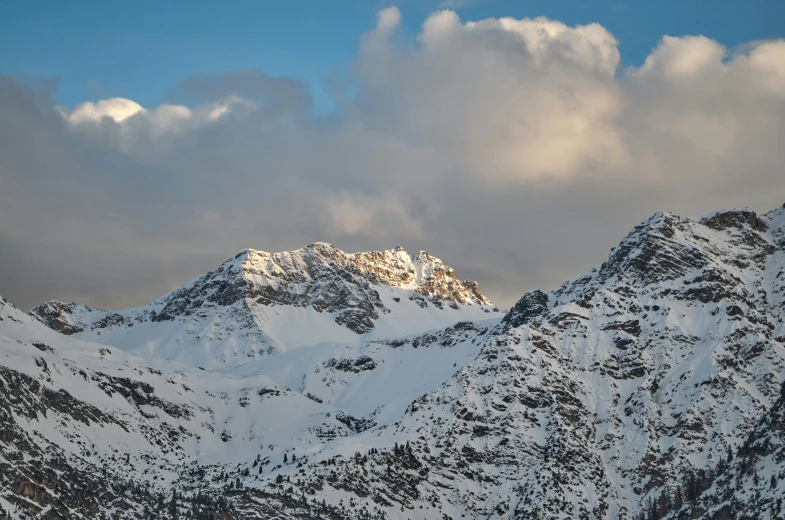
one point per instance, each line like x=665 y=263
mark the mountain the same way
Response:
x=259 y=303
x=89 y=416
x=594 y=398
x=379 y=387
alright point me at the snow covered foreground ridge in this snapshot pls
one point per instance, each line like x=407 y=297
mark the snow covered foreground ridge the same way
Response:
x=648 y=387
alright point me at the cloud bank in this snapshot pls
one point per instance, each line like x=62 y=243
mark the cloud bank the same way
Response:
x=517 y=150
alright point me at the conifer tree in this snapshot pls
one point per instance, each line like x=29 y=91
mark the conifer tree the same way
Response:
x=173 y=506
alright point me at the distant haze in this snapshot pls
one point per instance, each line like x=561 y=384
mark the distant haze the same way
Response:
x=517 y=151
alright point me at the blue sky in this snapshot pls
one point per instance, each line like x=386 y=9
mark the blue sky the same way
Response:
x=142 y=50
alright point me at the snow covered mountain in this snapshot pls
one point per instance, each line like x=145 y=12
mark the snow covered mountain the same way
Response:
x=316 y=384
x=595 y=398
x=259 y=303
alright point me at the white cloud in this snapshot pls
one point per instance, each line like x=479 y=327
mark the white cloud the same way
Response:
x=388 y=18
x=698 y=111
x=117 y=109
x=513 y=99
x=128 y=127
x=162 y=119
x=767 y=61
x=685 y=57
x=590 y=46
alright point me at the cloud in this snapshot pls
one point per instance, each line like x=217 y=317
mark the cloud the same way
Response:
x=130 y=117
x=355 y=213
x=275 y=94
x=517 y=150
x=701 y=113
x=512 y=99
x=388 y=18
x=688 y=57
x=117 y=109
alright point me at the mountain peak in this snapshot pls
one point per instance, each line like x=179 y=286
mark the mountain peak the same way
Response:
x=277 y=301
x=320 y=272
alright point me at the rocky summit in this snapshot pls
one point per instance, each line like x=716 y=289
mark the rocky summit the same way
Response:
x=259 y=303
x=320 y=384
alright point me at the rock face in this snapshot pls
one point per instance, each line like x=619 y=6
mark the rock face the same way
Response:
x=59 y=316
x=650 y=387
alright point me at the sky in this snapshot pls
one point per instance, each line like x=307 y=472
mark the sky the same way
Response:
x=143 y=144
x=140 y=51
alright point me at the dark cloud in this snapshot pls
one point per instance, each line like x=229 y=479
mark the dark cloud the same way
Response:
x=511 y=149
x=272 y=93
